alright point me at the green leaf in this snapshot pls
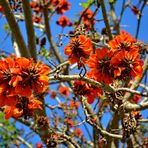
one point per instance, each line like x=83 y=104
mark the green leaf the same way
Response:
x=112 y=1
x=6 y=27
x=86 y=4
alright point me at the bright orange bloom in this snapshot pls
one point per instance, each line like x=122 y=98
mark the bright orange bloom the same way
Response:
x=1 y=8
x=127 y=64
x=23 y=108
x=52 y=94
x=64 y=90
x=64 y=21
x=37 y=19
x=124 y=41
x=74 y=103
x=86 y=15
x=136 y=98
x=34 y=75
x=87 y=90
x=33 y=4
x=78 y=132
x=12 y=111
x=87 y=18
x=62 y=5
x=99 y=64
x=69 y=122
x=78 y=49
x=20 y=79
x=57 y=2
x=39 y=145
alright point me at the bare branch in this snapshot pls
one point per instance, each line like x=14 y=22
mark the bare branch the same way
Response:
x=49 y=35
x=106 y=21
x=29 y=28
x=129 y=106
x=14 y=28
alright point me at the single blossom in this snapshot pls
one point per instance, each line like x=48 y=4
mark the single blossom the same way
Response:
x=89 y=91
x=78 y=49
x=64 y=21
x=123 y=41
x=64 y=90
x=126 y=64
x=99 y=64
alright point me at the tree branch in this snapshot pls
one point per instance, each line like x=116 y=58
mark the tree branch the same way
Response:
x=49 y=35
x=132 y=107
x=29 y=28
x=14 y=28
x=106 y=21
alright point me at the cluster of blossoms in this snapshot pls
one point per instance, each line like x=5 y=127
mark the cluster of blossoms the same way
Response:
x=21 y=80
x=88 y=18
x=119 y=62
x=60 y=6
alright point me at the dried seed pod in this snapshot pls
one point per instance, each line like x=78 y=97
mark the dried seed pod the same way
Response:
x=129 y=125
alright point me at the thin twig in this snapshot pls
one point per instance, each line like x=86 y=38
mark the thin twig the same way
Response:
x=14 y=28
x=106 y=21
x=29 y=28
x=49 y=35
x=139 y=19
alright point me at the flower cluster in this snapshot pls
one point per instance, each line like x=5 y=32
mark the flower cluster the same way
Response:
x=121 y=62
x=78 y=49
x=87 y=90
x=87 y=18
x=61 y=6
x=64 y=21
x=20 y=80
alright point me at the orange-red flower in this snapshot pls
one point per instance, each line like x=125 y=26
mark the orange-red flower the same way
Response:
x=78 y=49
x=74 y=103
x=127 y=65
x=87 y=18
x=99 y=64
x=64 y=90
x=1 y=8
x=87 y=90
x=86 y=15
x=23 y=108
x=69 y=122
x=64 y=21
x=20 y=79
x=78 y=132
x=136 y=98
x=124 y=41
x=37 y=19
x=62 y=6
x=39 y=145
x=34 y=75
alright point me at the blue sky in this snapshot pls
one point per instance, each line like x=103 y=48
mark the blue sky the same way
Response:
x=129 y=20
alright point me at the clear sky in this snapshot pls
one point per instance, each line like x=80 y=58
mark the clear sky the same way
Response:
x=129 y=24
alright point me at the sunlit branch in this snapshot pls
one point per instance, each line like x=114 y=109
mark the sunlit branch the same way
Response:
x=77 y=77
x=70 y=140
x=139 y=19
x=132 y=91
x=129 y=106
x=143 y=120
x=37 y=25
x=135 y=84
x=95 y=124
x=23 y=141
x=49 y=35
x=29 y=28
x=14 y=28
x=106 y=21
